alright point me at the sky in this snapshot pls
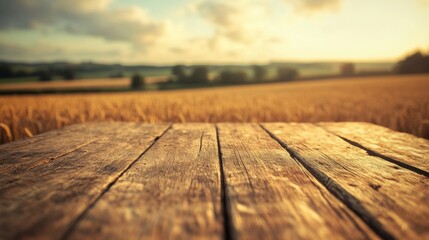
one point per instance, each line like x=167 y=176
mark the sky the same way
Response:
x=211 y=31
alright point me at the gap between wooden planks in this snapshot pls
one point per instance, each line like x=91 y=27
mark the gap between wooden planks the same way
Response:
x=202 y=180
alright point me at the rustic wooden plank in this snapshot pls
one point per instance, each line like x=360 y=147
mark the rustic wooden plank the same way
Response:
x=172 y=192
x=40 y=137
x=46 y=200
x=271 y=196
x=391 y=199
x=37 y=151
x=391 y=145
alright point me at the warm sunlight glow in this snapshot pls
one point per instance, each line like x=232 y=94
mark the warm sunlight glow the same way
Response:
x=212 y=31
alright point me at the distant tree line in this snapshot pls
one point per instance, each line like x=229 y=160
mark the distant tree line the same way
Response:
x=417 y=62
x=6 y=71
x=66 y=73
x=200 y=75
x=413 y=63
x=49 y=74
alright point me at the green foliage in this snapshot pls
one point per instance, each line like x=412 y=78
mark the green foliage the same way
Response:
x=137 y=81
x=259 y=72
x=44 y=76
x=287 y=74
x=199 y=74
x=68 y=74
x=9 y=71
x=179 y=72
x=414 y=63
x=231 y=77
x=6 y=71
x=347 y=69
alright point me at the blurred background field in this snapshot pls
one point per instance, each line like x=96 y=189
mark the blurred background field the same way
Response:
x=88 y=70
x=26 y=76
x=398 y=102
x=75 y=61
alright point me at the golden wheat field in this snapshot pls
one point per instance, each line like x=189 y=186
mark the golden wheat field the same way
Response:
x=397 y=102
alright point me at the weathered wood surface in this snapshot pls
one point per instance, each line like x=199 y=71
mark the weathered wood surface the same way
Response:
x=41 y=137
x=270 y=195
x=396 y=146
x=45 y=200
x=171 y=192
x=393 y=200
x=224 y=181
x=17 y=157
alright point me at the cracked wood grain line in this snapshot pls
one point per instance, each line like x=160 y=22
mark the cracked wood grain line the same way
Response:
x=390 y=199
x=403 y=149
x=173 y=191
x=29 y=153
x=271 y=196
x=43 y=201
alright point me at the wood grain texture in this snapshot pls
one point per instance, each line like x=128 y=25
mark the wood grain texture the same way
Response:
x=27 y=154
x=271 y=196
x=398 y=146
x=396 y=197
x=40 y=137
x=44 y=201
x=172 y=192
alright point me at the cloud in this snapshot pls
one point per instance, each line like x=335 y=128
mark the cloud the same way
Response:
x=92 y=18
x=236 y=24
x=129 y=24
x=313 y=6
x=7 y=50
x=239 y=26
x=40 y=51
x=424 y=2
x=236 y=21
x=81 y=5
x=49 y=51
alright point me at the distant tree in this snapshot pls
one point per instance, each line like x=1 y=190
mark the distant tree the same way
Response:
x=347 y=69
x=414 y=63
x=44 y=75
x=137 y=81
x=199 y=75
x=231 y=77
x=179 y=72
x=6 y=71
x=10 y=71
x=287 y=74
x=259 y=72
x=68 y=74
x=21 y=73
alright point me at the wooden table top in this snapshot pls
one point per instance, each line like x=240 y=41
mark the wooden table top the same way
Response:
x=216 y=181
